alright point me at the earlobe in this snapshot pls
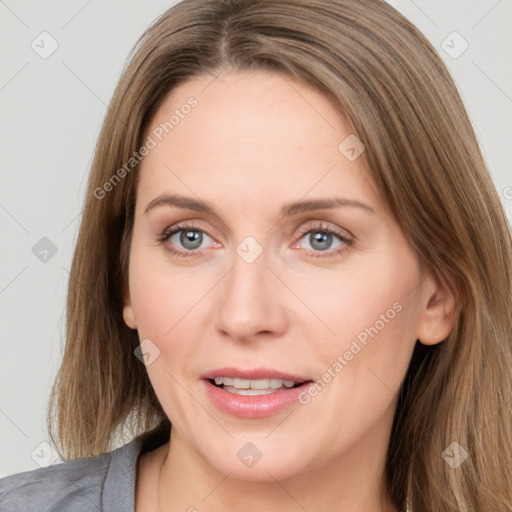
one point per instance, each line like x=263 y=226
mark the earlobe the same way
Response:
x=128 y=315
x=438 y=314
x=129 y=318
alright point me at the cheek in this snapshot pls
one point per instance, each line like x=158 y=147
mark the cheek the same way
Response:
x=161 y=298
x=369 y=314
x=165 y=304
x=361 y=366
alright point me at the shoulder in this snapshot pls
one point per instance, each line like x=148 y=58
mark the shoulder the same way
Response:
x=86 y=484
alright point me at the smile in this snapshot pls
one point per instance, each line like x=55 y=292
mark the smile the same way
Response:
x=253 y=393
x=255 y=387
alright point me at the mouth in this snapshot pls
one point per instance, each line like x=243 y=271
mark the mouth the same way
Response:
x=255 y=387
x=253 y=393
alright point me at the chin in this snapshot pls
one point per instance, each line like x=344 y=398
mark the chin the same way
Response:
x=251 y=463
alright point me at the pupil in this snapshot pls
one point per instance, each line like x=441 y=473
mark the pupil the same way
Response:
x=191 y=239
x=320 y=241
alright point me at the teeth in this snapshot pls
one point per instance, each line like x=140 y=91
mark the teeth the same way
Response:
x=276 y=383
x=248 y=392
x=259 y=384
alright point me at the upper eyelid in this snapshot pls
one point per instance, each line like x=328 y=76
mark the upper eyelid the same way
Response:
x=313 y=215
x=335 y=231
x=191 y=226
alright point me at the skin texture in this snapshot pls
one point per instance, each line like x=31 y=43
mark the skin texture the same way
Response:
x=255 y=142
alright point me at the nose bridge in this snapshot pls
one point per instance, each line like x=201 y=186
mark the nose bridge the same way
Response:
x=249 y=303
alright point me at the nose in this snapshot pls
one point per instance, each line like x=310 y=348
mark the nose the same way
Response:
x=249 y=305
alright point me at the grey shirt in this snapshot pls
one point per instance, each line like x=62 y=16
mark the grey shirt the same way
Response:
x=91 y=484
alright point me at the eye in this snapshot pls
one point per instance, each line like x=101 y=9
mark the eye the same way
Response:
x=322 y=239
x=188 y=240
x=185 y=240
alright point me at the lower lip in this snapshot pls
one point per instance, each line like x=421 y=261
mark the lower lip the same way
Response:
x=258 y=406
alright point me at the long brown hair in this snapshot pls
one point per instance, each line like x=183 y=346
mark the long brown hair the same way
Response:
x=423 y=155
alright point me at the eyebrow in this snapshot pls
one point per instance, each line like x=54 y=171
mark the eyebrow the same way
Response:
x=289 y=209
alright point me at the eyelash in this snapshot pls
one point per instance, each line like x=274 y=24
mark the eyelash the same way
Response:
x=168 y=233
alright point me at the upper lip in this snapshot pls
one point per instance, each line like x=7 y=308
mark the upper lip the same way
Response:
x=253 y=374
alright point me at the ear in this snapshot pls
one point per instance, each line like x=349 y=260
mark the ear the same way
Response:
x=128 y=315
x=438 y=313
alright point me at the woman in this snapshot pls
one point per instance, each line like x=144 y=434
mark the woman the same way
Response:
x=292 y=278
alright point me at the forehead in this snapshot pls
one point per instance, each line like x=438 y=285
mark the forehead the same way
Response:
x=249 y=132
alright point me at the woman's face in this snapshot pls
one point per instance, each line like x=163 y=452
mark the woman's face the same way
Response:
x=252 y=288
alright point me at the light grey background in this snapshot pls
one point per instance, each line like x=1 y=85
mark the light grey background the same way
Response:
x=52 y=109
